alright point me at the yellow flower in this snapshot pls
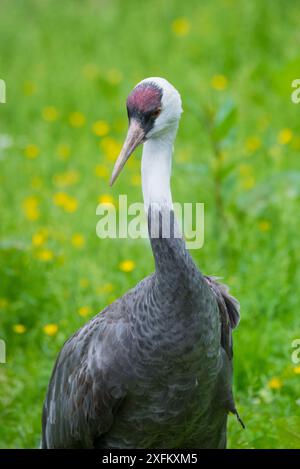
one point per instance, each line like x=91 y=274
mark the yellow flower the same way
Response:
x=31 y=208
x=90 y=71
x=114 y=76
x=297 y=370
x=101 y=171
x=19 y=328
x=40 y=237
x=181 y=27
x=136 y=179
x=3 y=303
x=219 y=82
x=29 y=88
x=66 y=179
x=127 y=266
x=252 y=144
x=78 y=240
x=106 y=199
x=285 y=136
x=84 y=311
x=63 y=151
x=71 y=205
x=60 y=198
x=110 y=147
x=100 y=128
x=50 y=113
x=84 y=282
x=264 y=225
x=45 y=255
x=50 y=329
x=31 y=151
x=77 y=119
x=67 y=202
x=275 y=383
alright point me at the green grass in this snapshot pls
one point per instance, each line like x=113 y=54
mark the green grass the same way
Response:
x=86 y=56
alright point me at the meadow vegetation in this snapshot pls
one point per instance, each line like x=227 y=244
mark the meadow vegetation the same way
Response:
x=68 y=67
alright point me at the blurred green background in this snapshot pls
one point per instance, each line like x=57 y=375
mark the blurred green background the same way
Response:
x=68 y=67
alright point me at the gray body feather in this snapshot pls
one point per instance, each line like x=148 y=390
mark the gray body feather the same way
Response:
x=153 y=369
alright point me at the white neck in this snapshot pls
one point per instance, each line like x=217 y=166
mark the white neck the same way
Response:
x=156 y=171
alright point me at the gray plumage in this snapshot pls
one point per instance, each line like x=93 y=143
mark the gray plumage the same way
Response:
x=153 y=369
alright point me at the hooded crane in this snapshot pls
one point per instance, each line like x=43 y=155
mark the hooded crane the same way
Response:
x=154 y=368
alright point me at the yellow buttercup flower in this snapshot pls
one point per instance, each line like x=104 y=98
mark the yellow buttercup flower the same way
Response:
x=50 y=113
x=84 y=311
x=40 y=237
x=106 y=199
x=127 y=266
x=285 y=136
x=67 y=202
x=101 y=171
x=78 y=240
x=60 y=198
x=100 y=128
x=181 y=27
x=252 y=144
x=66 y=179
x=19 y=328
x=63 y=151
x=264 y=225
x=275 y=383
x=297 y=370
x=31 y=151
x=219 y=82
x=45 y=255
x=31 y=208
x=77 y=119
x=71 y=205
x=50 y=329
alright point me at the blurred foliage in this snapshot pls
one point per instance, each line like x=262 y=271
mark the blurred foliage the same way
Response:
x=68 y=68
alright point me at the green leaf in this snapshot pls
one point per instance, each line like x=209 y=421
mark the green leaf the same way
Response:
x=224 y=121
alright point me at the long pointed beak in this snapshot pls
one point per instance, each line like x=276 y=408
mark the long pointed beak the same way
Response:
x=135 y=137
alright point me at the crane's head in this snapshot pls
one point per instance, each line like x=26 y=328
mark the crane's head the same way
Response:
x=154 y=109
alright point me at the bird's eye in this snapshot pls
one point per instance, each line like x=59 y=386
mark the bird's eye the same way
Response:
x=156 y=112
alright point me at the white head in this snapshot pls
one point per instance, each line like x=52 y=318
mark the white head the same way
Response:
x=154 y=109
